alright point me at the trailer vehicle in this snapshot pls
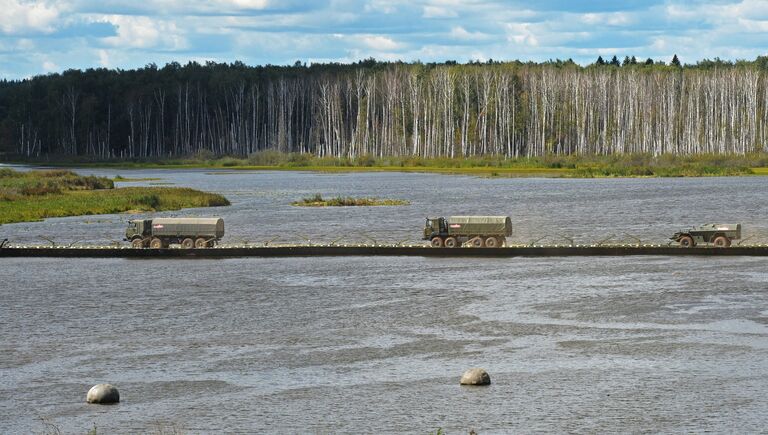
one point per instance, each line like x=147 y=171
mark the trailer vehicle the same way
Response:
x=161 y=232
x=720 y=235
x=479 y=231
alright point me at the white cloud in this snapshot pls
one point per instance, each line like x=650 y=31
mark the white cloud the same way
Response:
x=104 y=59
x=380 y=43
x=381 y=6
x=753 y=26
x=478 y=56
x=438 y=12
x=611 y=19
x=521 y=33
x=145 y=32
x=25 y=44
x=70 y=33
x=49 y=66
x=246 y=4
x=721 y=15
x=21 y=17
x=461 y=33
x=659 y=45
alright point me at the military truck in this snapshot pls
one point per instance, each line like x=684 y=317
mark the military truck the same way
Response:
x=479 y=231
x=719 y=235
x=188 y=232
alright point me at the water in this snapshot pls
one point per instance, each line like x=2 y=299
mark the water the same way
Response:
x=372 y=344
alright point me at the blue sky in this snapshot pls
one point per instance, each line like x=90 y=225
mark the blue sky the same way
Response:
x=37 y=37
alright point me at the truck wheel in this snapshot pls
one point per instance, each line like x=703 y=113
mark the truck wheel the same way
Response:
x=451 y=242
x=137 y=243
x=491 y=242
x=477 y=242
x=687 y=242
x=187 y=243
x=437 y=242
x=156 y=243
x=721 y=242
x=201 y=243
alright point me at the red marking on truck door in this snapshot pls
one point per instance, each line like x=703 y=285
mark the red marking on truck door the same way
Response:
x=157 y=226
x=455 y=226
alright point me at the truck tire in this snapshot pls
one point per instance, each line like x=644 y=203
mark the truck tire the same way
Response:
x=201 y=243
x=137 y=244
x=437 y=242
x=187 y=243
x=156 y=243
x=477 y=242
x=491 y=242
x=687 y=242
x=721 y=242
x=451 y=242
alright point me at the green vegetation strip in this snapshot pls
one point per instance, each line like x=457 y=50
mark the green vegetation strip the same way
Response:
x=36 y=195
x=319 y=201
x=122 y=179
x=571 y=166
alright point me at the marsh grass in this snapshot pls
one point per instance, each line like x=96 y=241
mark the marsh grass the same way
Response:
x=318 y=201
x=36 y=195
x=580 y=166
x=16 y=185
x=644 y=165
x=120 y=178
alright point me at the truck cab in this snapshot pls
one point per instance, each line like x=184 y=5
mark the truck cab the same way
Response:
x=435 y=227
x=138 y=228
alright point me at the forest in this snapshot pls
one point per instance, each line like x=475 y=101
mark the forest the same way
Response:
x=371 y=108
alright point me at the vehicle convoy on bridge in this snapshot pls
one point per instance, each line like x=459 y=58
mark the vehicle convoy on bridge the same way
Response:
x=450 y=232
x=188 y=232
x=479 y=231
x=719 y=235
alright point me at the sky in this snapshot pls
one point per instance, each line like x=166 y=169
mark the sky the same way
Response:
x=40 y=37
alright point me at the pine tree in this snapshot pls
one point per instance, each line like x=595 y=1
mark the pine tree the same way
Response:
x=676 y=61
x=615 y=61
x=599 y=61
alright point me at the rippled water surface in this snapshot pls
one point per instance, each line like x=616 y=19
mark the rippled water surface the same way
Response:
x=372 y=344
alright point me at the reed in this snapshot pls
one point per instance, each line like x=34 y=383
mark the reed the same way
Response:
x=318 y=201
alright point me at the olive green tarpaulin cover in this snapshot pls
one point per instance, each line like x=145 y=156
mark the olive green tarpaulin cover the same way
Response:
x=207 y=227
x=486 y=225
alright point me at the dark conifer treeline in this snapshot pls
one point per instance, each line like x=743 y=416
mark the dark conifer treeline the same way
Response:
x=390 y=109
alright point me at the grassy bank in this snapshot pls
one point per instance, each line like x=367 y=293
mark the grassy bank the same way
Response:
x=625 y=165
x=36 y=195
x=319 y=201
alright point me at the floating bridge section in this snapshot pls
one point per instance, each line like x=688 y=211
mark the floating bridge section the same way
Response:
x=375 y=250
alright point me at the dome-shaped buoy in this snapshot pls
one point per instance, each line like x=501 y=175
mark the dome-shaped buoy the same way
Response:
x=475 y=377
x=103 y=394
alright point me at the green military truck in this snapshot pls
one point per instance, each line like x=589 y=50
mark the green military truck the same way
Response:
x=479 y=231
x=188 y=232
x=719 y=235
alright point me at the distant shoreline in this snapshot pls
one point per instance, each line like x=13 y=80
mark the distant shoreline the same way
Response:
x=556 y=166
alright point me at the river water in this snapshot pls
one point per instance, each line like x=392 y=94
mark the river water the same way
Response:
x=376 y=344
